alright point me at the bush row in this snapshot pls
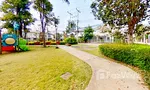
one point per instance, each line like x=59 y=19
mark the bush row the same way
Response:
x=47 y=43
x=135 y=54
x=71 y=40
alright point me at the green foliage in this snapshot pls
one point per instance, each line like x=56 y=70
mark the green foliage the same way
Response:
x=88 y=33
x=81 y=40
x=59 y=36
x=61 y=43
x=146 y=36
x=118 y=37
x=30 y=43
x=16 y=10
x=47 y=43
x=121 y=13
x=71 y=40
x=71 y=26
x=43 y=6
x=136 y=55
x=140 y=29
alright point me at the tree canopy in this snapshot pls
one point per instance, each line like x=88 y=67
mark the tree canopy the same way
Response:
x=121 y=12
x=88 y=33
x=16 y=10
x=71 y=26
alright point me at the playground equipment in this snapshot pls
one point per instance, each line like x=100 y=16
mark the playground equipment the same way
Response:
x=12 y=42
x=8 y=42
x=22 y=45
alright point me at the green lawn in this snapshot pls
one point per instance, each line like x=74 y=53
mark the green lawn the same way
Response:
x=87 y=48
x=41 y=68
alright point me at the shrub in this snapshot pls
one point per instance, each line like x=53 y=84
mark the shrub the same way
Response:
x=61 y=43
x=36 y=43
x=136 y=55
x=81 y=40
x=30 y=43
x=48 y=42
x=71 y=40
x=53 y=43
x=41 y=43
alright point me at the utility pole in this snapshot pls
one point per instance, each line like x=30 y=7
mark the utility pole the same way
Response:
x=78 y=11
x=70 y=18
x=70 y=14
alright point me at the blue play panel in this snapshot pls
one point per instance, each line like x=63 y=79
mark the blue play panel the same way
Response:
x=9 y=40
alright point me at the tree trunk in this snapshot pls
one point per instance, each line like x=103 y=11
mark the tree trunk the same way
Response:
x=44 y=42
x=20 y=29
x=130 y=38
x=130 y=33
x=43 y=31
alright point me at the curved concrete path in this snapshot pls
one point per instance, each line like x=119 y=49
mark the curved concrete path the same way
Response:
x=108 y=75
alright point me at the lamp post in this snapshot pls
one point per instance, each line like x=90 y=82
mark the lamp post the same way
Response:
x=56 y=37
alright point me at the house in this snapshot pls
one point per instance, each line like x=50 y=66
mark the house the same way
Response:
x=35 y=36
x=100 y=34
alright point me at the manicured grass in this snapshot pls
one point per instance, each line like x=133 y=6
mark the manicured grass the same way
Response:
x=41 y=68
x=87 y=48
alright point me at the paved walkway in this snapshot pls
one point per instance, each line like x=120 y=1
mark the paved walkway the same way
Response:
x=108 y=75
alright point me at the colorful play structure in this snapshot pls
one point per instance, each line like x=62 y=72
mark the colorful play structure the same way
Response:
x=12 y=42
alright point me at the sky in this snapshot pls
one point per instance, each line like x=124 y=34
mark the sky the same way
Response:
x=61 y=8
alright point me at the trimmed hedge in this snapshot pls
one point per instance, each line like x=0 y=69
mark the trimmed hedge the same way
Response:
x=61 y=43
x=135 y=54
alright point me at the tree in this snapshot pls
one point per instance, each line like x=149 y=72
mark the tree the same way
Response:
x=59 y=36
x=56 y=22
x=118 y=36
x=121 y=13
x=70 y=27
x=44 y=7
x=88 y=33
x=140 y=30
x=16 y=10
